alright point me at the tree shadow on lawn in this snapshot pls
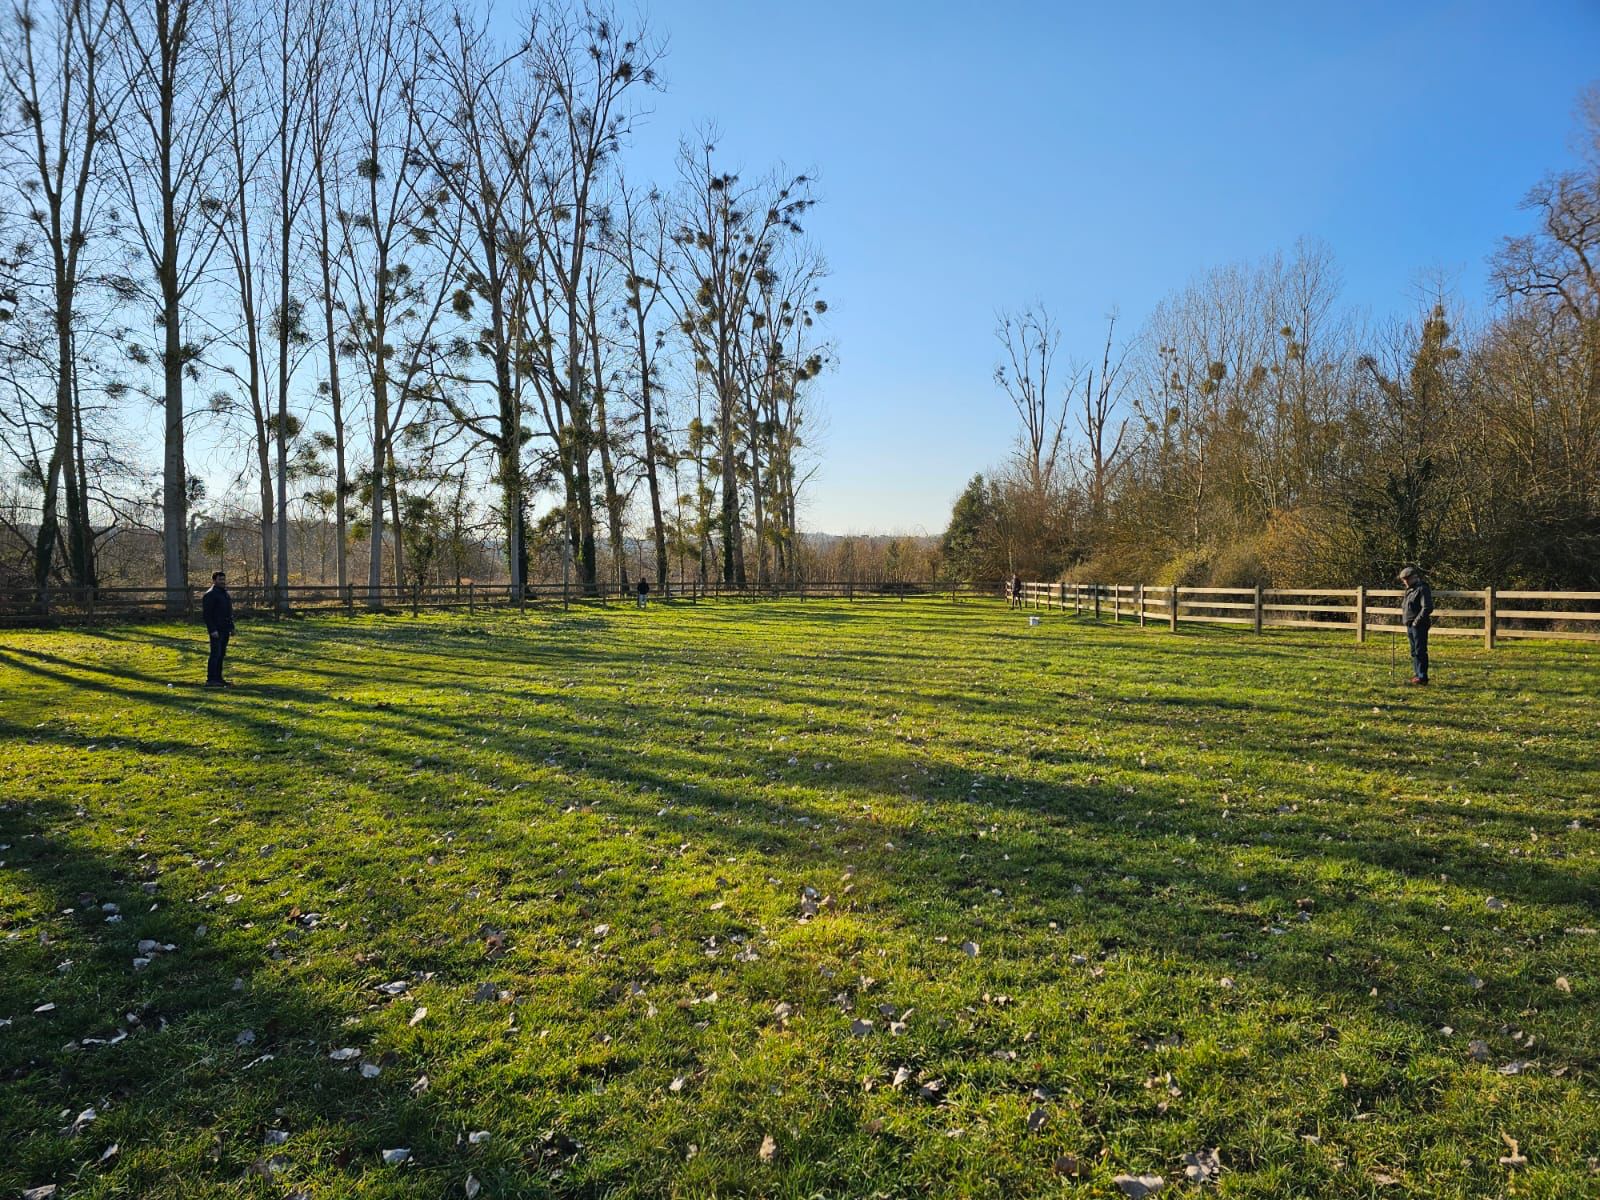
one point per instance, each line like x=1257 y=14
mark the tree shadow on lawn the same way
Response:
x=1160 y=879
x=591 y=716
x=1182 y=911
x=191 y=1060
x=1185 y=893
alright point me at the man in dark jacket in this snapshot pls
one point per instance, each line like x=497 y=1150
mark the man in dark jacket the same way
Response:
x=644 y=591
x=1416 y=614
x=216 y=606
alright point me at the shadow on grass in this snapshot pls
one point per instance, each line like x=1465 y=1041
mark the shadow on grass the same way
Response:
x=191 y=1057
x=1159 y=873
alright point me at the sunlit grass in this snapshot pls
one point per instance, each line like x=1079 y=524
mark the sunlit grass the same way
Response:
x=1160 y=894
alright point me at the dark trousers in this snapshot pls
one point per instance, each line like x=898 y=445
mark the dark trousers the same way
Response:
x=1417 y=635
x=219 y=648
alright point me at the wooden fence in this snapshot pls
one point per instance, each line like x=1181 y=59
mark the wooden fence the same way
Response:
x=1488 y=614
x=23 y=606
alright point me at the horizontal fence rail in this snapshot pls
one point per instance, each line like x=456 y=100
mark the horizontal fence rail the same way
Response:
x=19 y=605
x=1488 y=614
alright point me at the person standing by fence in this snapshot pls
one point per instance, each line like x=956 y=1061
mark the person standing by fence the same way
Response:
x=1416 y=614
x=644 y=591
x=216 y=607
x=1016 y=591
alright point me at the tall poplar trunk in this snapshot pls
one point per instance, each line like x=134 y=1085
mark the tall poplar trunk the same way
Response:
x=613 y=500
x=285 y=230
x=732 y=523
x=652 y=455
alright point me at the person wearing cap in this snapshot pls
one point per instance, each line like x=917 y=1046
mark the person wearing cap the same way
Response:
x=1416 y=614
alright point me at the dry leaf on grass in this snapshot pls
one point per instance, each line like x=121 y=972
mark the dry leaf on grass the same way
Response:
x=1516 y=1158
x=1202 y=1166
x=1136 y=1187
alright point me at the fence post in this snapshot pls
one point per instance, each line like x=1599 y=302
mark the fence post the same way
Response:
x=1361 y=613
x=1116 y=603
x=472 y=604
x=1096 y=587
x=1172 y=612
x=1258 y=608
x=1141 y=606
x=1488 y=618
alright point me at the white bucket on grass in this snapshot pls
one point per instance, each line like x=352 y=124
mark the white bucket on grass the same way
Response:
x=1032 y=621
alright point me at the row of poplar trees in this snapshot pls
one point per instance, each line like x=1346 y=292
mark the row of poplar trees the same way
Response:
x=385 y=233
x=1258 y=429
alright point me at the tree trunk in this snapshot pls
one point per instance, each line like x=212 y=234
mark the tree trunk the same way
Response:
x=264 y=469
x=619 y=557
x=732 y=523
x=80 y=532
x=394 y=518
x=380 y=436
x=652 y=456
x=174 y=476
x=285 y=230
x=174 y=470
x=757 y=509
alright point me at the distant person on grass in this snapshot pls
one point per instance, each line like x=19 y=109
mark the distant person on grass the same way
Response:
x=1016 y=591
x=1416 y=614
x=644 y=591
x=216 y=606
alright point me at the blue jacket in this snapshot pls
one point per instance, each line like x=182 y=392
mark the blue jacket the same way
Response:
x=216 y=606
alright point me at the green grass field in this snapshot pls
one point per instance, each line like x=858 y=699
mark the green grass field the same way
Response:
x=526 y=896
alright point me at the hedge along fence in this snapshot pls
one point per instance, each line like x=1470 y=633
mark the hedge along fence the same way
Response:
x=1488 y=614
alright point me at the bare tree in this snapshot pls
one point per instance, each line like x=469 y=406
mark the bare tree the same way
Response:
x=235 y=211
x=591 y=68
x=640 y=247
x=1029 y=341
x=398 y=263
x=483 y=113
x=166 y=153
x=1103 y=431
x=728 y=237
x=55 y=71
x=325 y=129
x=298 y=38
x=600 y=349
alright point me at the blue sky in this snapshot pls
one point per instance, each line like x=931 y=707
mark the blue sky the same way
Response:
x=1097 y=157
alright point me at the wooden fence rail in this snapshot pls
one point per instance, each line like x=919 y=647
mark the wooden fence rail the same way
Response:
x=1488 y=614
x=30 y=606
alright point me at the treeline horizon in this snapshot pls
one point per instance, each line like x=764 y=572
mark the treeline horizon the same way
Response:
x=1258 y=431
x=394 y=260
x=129 y=559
